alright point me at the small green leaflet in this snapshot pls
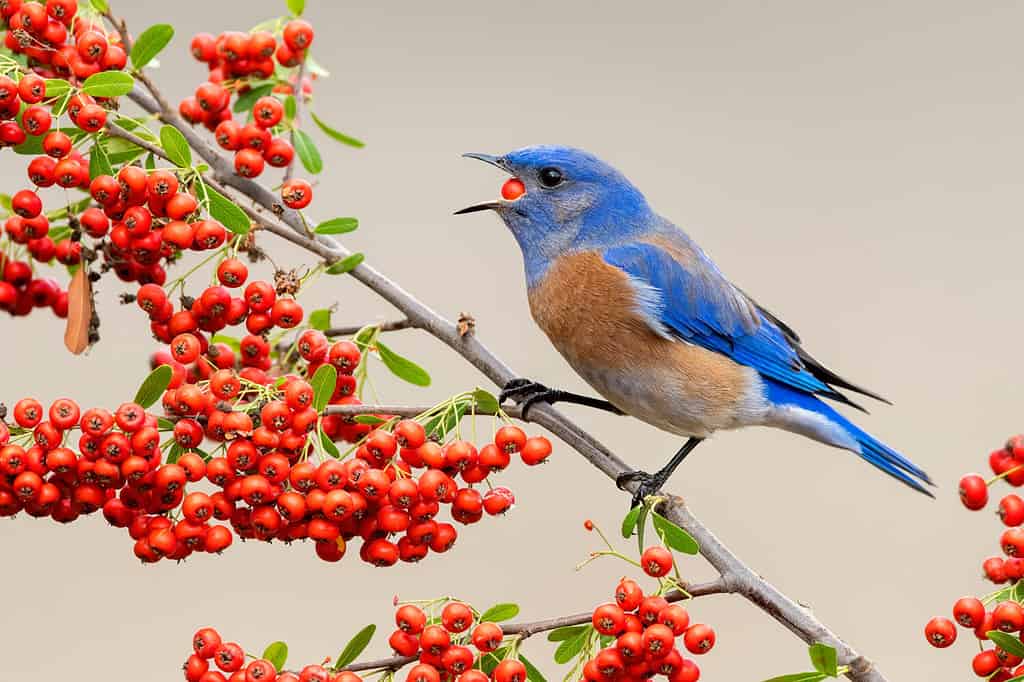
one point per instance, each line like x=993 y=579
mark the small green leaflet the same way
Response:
x=824 y=659
x=370 y=419
x=100 y=6
x=174 y=453
x=230 y=341
x=337 y=226
x=1006 y=642
x=799 y=677
x=108 y=84
x=500 y=612
x=150 y=43
x=336 y=135
x=568 y=649
x=307 y=151
x=485 y=401
x=154 y=386
x=1019 y=678
x=164 y=424
x=176 y=147
x=323 y=384
x=532 y=673
x=320 y=319
x=568 y=632
x=290 y=107
x=99 y=162
x=630 y=520
x=249 y=97
x=296 y=7
x=276 y=653
x=328 y=445
x=55 y=87
x=346 y=264
x=355 y=646
x=674 y=536
x=403 y=368
x=227 y=212
x=5 y=202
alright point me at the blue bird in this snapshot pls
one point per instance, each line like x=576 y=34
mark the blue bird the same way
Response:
x=647 y=319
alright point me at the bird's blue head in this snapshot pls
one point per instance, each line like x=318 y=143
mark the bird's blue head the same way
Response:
x=561 y=200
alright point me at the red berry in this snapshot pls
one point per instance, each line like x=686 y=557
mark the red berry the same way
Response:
x=296 y=193
x=969 y=612
x=656 y=561
x=699 y=639
x=608 y=619
x=940 y=632
x=973 y=492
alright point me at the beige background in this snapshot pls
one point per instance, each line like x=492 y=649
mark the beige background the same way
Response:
x=856 y=165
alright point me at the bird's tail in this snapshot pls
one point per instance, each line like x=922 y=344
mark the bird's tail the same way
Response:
x=805 y=414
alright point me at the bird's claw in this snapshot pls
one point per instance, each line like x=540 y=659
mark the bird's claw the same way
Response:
x=526 y=393
x=649 y=484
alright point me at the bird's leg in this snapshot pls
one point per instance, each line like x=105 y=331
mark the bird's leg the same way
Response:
x=652 y=483
x=528 y=393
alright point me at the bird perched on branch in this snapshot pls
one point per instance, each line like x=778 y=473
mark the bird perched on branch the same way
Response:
x=649 y=321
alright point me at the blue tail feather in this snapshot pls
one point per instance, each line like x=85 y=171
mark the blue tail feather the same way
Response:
x=856 y=440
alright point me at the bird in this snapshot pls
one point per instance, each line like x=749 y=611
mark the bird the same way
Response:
x=649 y=321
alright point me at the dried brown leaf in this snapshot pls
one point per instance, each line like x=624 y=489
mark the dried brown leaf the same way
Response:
x=76 y=334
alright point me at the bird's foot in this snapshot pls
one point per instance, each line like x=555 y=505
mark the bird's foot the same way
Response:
x=527 y=393
x=647 y=484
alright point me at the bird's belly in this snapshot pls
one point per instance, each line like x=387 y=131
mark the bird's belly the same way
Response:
x=684 y=405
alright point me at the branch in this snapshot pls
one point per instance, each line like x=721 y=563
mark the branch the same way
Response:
x=525 y=630
x=738 y=577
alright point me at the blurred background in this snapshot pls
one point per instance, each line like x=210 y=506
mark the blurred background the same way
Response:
x=855 y=165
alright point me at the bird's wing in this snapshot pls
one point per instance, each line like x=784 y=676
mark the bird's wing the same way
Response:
x=698 y=305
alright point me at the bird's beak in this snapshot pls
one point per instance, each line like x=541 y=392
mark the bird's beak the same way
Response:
x=495 y=161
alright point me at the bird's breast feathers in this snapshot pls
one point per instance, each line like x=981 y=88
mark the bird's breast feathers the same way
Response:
x=598 y=317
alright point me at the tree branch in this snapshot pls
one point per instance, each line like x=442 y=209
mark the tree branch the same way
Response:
x=525 y=630
x=739 y=578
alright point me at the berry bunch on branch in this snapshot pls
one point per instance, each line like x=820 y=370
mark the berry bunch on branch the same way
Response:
x=253 y=422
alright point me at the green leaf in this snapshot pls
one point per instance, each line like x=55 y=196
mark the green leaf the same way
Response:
x=249 y=97
x=328 y=445
x=485 y=401
x=176 y=147
x=403 y=368
x=108 y=84
x=5 y=202
x=154 y=386
x=99 y=162
x=346 y=264
x=629 y=522
x=337 y=135
x=500 y=612
x=33 y=145
x=230 y=341
x=568 y=632
x=337 y=226
x=174 y=453
x=1006 y=642
x=532 y=673
x=100 y=5
x=164 y=424
x=296 y=7
x=227 y=212
x=674 y=536
x=370 y=419
x=149 y=45
x=276 y=653
x=568 y=649
x=320 y=319
x=55 y=87
x=1018 y=678
x=824 y=659
x=355 y=646
x=799 y=677
x=641 y=527
x=290 y=107
x=323 y=383
x=307 y=151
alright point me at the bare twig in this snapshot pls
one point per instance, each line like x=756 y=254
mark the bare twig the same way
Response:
x=264 y=207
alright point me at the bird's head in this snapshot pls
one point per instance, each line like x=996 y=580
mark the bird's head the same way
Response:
x=560 y=199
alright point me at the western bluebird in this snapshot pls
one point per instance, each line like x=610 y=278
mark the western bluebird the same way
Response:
x=649 y=321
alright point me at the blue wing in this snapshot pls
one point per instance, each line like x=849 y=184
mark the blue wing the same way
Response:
x=700 y=306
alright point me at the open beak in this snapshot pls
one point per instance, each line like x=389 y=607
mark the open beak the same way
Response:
x=496 y=161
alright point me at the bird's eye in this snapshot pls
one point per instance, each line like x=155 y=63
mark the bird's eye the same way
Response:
x=550 y=177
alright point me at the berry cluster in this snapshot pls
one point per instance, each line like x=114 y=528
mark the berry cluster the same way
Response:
x=215 y=660
x=234 y=59
x=1002 y=625
x=645 y=628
